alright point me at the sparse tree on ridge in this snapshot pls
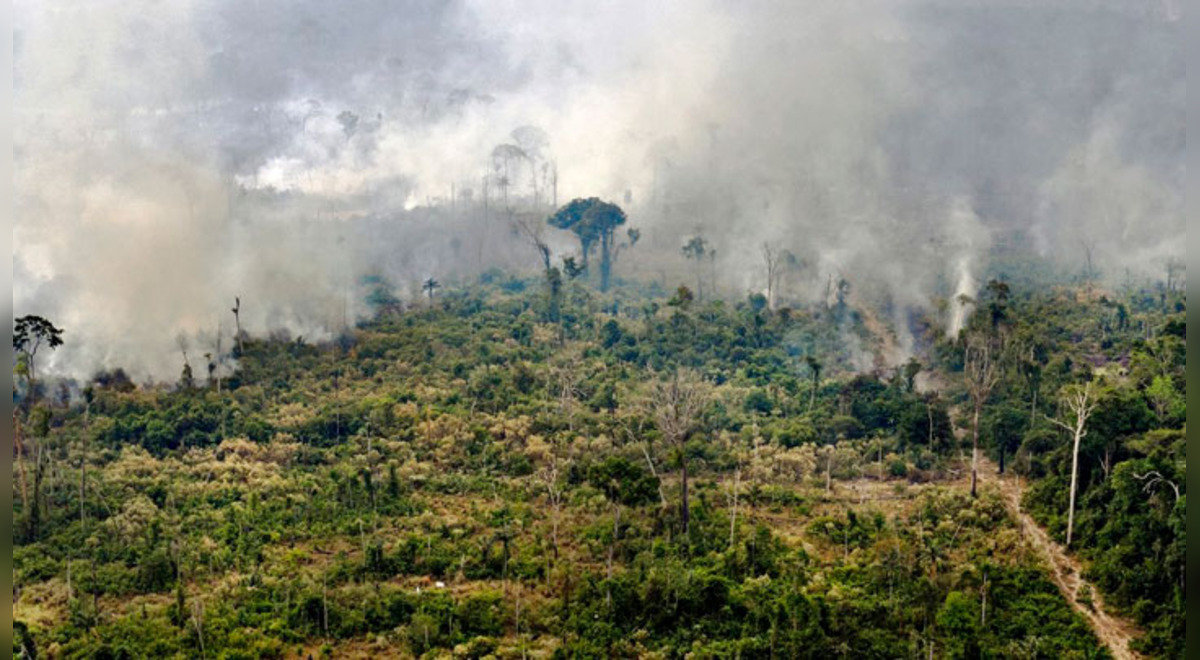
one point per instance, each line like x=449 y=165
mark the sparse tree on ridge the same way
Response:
x=771 y=258
x=429 y=286
x=1080 y=402
x=30 y=333
x=533 y=142
x=1176 y=274
x=187 y=379
x=696 y=249
x=503 y=157
x=592 y=220
x=237 y=321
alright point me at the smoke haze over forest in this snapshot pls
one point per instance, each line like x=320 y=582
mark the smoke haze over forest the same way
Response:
x=172 y=156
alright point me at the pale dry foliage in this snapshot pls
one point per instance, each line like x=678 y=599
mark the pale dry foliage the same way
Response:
x=134 y=519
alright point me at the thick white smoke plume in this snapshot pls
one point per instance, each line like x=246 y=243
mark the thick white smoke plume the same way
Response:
x=171 y=156
x=969 y=242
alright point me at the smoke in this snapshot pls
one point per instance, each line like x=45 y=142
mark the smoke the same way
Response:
x=969 y=241
x=171 y=156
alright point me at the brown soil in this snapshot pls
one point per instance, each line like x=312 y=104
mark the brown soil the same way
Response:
x=1114 y=632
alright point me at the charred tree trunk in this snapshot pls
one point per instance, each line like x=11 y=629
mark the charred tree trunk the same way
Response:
x=975 y=448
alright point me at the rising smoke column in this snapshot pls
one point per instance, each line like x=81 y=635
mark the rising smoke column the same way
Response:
x=173 y=155
x=967 y=245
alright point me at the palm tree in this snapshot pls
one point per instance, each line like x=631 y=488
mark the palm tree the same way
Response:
x=429 y=287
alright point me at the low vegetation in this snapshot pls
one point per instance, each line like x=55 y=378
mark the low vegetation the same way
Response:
x=531 y=468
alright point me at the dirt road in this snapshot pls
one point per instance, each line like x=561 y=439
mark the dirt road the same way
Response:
x=1115 y=632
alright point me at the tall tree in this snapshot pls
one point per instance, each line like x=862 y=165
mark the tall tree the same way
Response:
x=678 y=405
x=1089 y=266
x=30 y=333
x=696 y=249
x=771 y=258
x=981 y=372
x=911 y=369
x=237 y=321
x=1080 y=402
x=814 y=367
x=429 y=286
x=533 y=142
x=503 y=157
x=592 y=220
x=554 y=284
x=998 y=293
x=1176 y=271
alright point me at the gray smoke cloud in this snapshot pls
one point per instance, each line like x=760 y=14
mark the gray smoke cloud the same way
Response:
x=171 y=156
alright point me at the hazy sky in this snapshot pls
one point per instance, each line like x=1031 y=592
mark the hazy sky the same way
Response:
x=171 y=155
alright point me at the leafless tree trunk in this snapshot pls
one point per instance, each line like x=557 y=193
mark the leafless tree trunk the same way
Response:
x=1033 y=408
x=198 y=623
x=20 y=459
x=983 y=599
x=1153 y=478
x=237 y=321
x=549 y=477
x=568 y=377
x=611 y=550
x=678 y=405
x=1089 y=253
x=554 y=184
x=981 y=370
x=662 y=496
x=533 y=230
x=929 y=414
x=1175 y=268
x=83 y=469
x=1081 y=402
x=771 y=257
x=733 y=497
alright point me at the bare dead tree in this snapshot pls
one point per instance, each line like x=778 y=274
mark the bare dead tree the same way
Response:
x=1154 y=478
x=636 y=435
x=678 y=405
x=237 y=321
x=981 y=372
x=1080 y=402
x=198 y=623
x=1175 y=273
x=533 y=230
x=771 y=257
x=484 y=186
x=549 y=476
x=1089 y=254
x=503 y=155
x=567 y=377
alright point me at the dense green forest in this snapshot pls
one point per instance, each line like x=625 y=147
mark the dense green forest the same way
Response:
x=528 y=466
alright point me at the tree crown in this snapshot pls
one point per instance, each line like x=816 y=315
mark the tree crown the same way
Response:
x=30 y=331
x=588 y=218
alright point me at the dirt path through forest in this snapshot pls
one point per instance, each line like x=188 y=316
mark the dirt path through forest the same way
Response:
x=1115 y=632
